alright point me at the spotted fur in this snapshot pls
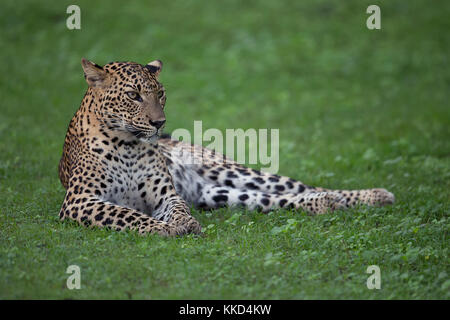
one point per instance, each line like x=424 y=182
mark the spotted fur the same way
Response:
x=118 y=173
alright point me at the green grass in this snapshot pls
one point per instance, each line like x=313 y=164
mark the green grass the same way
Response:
x=355 y=109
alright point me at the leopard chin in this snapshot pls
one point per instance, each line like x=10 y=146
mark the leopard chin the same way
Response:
x=150 y=140
x=144 y=136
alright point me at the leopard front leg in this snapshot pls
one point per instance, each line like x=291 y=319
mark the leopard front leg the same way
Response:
x=167 y=205
x=175 y=211
x=80 y=204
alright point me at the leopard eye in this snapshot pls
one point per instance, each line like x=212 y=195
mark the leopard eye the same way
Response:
x=134 y=96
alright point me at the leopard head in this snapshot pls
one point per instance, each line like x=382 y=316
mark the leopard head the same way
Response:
x=128 y=97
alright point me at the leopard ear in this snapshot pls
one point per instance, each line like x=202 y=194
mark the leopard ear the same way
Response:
x=155 y=66
x=94 y=74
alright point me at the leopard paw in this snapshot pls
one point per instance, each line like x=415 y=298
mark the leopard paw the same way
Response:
x=187 y=224
x=193 y=226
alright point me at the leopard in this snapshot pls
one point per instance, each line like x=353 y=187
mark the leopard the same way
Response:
x=121 y=171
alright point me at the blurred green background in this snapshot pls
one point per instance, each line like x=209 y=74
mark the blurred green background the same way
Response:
x=356 y=108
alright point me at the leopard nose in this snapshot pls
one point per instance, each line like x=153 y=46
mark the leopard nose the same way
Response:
x=158 y=124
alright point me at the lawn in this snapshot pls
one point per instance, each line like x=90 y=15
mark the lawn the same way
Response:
x=355 y=108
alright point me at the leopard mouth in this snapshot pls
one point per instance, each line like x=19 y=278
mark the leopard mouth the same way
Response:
x=143 y=135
